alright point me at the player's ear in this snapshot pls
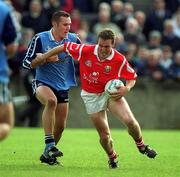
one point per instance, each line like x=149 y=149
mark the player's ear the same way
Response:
x=54 y=24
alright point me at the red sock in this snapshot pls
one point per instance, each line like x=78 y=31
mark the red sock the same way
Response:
x=112 y=155
x=139 y=143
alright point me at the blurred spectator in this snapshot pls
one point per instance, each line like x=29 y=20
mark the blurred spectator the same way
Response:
x=18 y=5
x=116 y=11
x=154 y=40
x=16 y=63
x=82 y=35
x=104 y=22
x=51 y=6
x=67 y=5
x=155 y=20
x=84 y=28
x=169 y=37
x=26 y=4
x=176 y=24
x=96 y=3
x=128 y=12
x=166 y=60
x=76 y=20
x=84 y=6
x=103 y=6
x=152 y=68
x=174 y=70
x=141 y=60
x=140 y=16
x=35 y=18
x=120 y=43
x=132 y=34
x=172 y=5
x=130 y=53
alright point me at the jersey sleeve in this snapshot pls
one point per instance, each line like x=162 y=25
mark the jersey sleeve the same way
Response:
x=126 y=71
x=9 y=31
x=74 y=50
x=34 y=47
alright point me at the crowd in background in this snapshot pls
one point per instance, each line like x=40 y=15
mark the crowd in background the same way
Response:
x=150 y=40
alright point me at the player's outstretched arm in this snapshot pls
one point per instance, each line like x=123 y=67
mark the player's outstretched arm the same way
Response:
x=53 y=52
x=49 y=56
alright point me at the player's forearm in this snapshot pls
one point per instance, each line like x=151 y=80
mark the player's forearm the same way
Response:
x=39 y=60
x=54 y=51
x=49 y=56
x=130 y=84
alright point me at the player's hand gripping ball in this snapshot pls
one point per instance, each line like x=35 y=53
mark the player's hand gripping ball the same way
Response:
x=112 y=86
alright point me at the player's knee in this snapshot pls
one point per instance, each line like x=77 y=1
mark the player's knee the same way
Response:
x=4 y=130
x=52 y=102
x=131 y=123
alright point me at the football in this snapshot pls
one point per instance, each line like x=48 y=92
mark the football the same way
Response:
x=112 y=84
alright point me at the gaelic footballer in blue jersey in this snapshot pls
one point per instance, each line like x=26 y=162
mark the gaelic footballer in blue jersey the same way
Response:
x=8 y=47
x=52 y=81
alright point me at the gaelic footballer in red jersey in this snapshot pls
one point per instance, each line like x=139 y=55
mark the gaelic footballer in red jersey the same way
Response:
x=95 y=73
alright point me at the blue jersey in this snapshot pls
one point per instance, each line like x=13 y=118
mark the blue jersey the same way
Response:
x=7 y=36
x=61 y=74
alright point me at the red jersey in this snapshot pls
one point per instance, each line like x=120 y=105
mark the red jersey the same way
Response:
x=94 y=73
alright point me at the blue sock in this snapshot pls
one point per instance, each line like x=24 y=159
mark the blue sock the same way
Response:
x=49 y=141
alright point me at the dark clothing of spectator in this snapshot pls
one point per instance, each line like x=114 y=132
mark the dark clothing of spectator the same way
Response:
x=137 y=38
x=84 y=6
x=174 y=71
x=38 y=24
x=172 y=5
x=143 y=69
x=155 y=21
x=172 y=41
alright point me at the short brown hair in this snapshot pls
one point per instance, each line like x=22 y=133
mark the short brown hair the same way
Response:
x=107 y=34
x=57 y=15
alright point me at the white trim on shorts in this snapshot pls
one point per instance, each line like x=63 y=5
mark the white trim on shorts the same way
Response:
x=5 y=94
x=94 y=102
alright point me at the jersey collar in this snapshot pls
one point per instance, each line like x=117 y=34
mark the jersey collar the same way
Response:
x=110 y=57
x=51 y=37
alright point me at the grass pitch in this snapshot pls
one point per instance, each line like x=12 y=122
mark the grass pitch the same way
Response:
x=84 y=157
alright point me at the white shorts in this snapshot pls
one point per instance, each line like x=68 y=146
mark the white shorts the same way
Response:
x=94 y=102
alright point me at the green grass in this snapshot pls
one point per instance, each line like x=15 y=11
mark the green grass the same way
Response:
x=83 y=156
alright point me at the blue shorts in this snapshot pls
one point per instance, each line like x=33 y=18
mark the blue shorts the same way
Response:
x=61 y=95
x=5 y=94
